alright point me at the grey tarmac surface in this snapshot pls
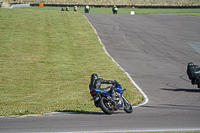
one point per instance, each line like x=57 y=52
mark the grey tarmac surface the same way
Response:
x=154 y=50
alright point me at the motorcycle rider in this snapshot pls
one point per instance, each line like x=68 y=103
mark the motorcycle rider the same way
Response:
x=87 y=9
x=114 y=9
x=96 y=82
x=75 y=8
x=67 y=8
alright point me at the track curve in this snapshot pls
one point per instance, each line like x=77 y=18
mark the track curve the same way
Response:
x=153 y=49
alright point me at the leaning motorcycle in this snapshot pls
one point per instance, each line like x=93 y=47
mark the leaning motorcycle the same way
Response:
x=103 y=100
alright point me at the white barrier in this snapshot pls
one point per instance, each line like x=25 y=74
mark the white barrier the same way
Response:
x=18 y=5
x=132 y=12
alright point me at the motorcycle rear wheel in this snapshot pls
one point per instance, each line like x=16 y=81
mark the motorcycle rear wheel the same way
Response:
x=198 y=84
x=127 y=106
x=106 y=105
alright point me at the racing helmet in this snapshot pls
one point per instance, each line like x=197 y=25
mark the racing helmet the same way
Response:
x=94 y=76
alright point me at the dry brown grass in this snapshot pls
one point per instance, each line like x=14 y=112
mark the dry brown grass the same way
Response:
x=114 y=2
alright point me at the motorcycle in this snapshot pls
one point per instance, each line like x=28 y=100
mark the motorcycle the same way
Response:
x=103 y=100
x=87 y=10
x=62 y=9
x=114 y=12
x=193 y=72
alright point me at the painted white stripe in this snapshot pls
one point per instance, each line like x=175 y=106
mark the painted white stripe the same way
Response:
x=132 y=131
x=146 y=100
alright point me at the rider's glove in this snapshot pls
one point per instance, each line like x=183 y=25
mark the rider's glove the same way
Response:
x=114 y=83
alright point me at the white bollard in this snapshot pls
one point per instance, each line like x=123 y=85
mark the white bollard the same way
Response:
x=132 y=12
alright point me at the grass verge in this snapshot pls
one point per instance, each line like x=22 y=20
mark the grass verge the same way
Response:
x=137 y=10
x=46 y=59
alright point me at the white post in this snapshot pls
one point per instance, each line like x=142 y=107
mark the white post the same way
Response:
x=132 y=12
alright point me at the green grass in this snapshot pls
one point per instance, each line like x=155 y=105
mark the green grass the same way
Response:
x=46 y=59
x=138 y=10
x=164 y=11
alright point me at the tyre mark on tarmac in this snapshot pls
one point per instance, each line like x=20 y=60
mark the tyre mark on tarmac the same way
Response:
x=157 y=39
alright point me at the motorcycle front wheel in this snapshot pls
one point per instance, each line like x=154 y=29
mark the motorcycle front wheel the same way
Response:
x=127 y=106
x=106 y=105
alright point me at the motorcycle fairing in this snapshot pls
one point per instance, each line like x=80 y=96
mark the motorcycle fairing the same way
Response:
x=119 y=89
x=100 y=91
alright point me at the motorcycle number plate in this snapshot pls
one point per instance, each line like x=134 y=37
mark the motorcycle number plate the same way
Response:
x=96 y=99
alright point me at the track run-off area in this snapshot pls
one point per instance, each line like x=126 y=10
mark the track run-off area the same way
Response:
x=154 y=50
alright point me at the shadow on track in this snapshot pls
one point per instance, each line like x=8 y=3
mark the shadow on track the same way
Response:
x=179 y=89
x=89 y=113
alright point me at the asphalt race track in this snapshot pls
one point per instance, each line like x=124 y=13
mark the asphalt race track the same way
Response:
x=154 y=50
